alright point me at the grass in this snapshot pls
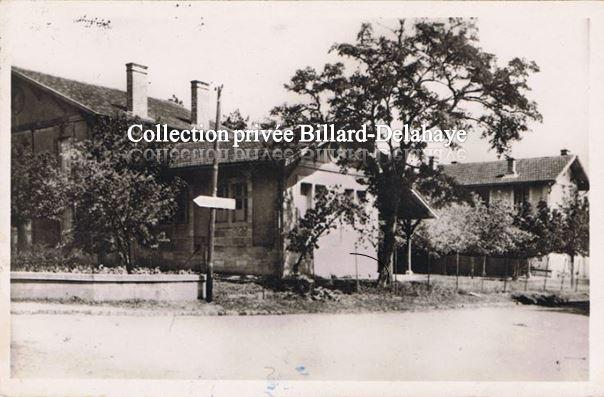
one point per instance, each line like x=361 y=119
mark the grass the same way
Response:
x=341 y=296
x=261 y=296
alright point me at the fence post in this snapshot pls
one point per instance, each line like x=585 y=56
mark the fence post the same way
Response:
x=456 y=271
x=526 y=281
x=505 y=277
x=484 y=272
x=546 y=272
x=428 y=255
x=577 y=279
x=562 y=278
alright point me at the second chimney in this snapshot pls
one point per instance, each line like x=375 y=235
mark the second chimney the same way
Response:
x=564 y=152
x=511 y=166
x=137 y=89
x=200 y=104
x=431 y=163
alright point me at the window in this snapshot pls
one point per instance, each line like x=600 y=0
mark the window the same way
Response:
x=484 y=194
x=361 y=196
x=349 y=193
x=239 y=192
x=306 y=192
x=521 y=195
x=305 y=188
x=222 y=215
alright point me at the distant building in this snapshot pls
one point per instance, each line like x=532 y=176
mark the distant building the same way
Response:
x=518 y=180
x=530 y=180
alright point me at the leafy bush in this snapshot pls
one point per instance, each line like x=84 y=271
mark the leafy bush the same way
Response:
x=43 y=258
x=57 y=260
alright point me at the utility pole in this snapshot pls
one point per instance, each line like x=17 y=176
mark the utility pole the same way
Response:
x=214 y=191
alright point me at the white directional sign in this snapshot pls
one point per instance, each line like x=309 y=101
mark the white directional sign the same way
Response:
x=215 y=202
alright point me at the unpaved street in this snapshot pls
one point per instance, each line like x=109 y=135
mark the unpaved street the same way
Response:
x=502 y=343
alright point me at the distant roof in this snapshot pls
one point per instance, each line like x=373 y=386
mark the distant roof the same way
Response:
x=106 y=101
x=536 y=169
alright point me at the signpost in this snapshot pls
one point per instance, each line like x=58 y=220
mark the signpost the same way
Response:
x=213 y=202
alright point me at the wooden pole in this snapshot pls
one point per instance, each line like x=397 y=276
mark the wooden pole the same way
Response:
x=428 y=255
x=214 y=191
x=526 y=279
x=546 y=272
x=505 y=276
x=484 y=272
x=572 y=271
x=456 y=271
x=409 y=271
x=576 y=279
x=356 y=267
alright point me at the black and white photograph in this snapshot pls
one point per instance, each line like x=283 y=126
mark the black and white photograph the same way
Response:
x=300 y=198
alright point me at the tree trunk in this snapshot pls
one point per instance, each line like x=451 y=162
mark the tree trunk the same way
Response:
x=546 y=273
x=24 y=236
x=385 y=250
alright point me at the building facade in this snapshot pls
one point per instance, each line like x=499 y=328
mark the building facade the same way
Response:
x=530 y=180
x=50 y=113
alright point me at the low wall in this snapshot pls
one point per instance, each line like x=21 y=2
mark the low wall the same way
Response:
x=107 y=287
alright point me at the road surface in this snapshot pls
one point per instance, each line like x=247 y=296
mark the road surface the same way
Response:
x=487 y=344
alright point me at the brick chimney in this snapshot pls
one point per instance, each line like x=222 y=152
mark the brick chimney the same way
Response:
x=511 y=166
x=564 y=152
x=200 y=104
x=431 y=163
x=136 y=76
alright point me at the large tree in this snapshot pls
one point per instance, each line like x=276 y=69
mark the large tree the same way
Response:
x=121 y=192
x=421 y=72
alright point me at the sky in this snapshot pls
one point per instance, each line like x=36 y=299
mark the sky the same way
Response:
x=253 y=49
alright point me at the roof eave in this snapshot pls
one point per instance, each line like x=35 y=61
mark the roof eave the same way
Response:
x=57 y=93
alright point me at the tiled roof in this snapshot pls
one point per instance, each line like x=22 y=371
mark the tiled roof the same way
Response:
x=537 y=169
x=108 y=101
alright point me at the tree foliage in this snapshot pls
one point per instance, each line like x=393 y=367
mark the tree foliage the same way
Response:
x=422 y=72
x=38 y=187
x=472 y=229
x=235 y=120
x=574 y=225
x=544 y=226
x=121 y=195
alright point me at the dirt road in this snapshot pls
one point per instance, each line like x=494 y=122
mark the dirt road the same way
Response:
x=505 y=343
